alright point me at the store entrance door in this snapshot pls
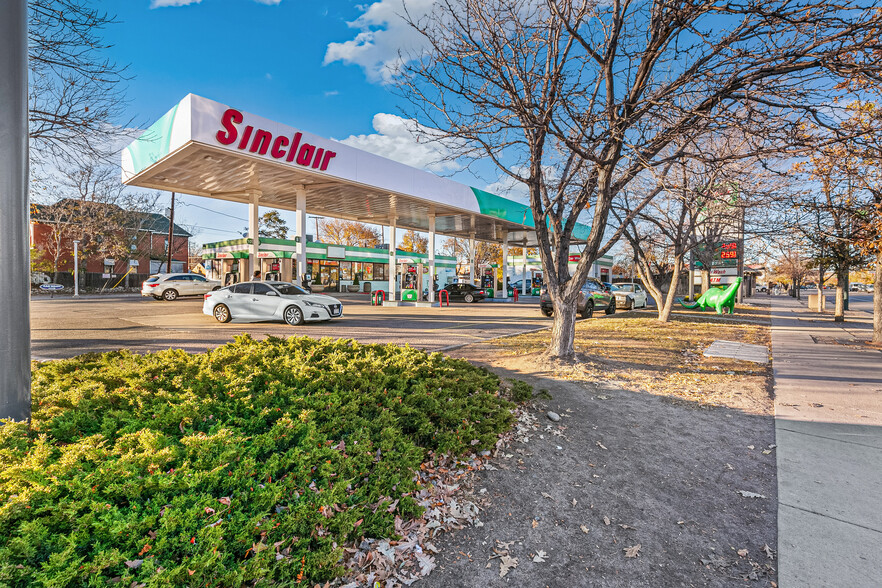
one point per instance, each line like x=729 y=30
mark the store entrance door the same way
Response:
x=330 y=276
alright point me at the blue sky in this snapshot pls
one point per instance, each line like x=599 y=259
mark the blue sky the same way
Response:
x=319 y=66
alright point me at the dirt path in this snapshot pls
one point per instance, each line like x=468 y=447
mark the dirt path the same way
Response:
x=620 y=469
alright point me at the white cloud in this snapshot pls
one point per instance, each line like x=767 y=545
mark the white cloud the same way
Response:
x=383 y=35
x=330 y=93
x=269 y=76
x=406 y=141
x=164 y=3
x=510 y=188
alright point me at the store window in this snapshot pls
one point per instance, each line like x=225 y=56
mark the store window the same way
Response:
x=367 y=270
x=345 y=270
x=380 y=271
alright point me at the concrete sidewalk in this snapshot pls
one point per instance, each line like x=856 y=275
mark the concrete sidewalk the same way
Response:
x=828 y=424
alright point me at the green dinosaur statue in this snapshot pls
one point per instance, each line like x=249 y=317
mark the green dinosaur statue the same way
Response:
x=717 y=298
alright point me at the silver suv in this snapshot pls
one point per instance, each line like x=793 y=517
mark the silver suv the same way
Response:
x=594 y=295
x=170 y=286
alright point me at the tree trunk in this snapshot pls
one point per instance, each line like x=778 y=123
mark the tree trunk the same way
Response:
x=563 y=333
x=841 y=284
x=705 y=280
x=664 y=311
x=877 y=302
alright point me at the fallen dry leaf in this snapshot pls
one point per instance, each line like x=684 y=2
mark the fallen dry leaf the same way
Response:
x=574 y=502
x=506 y=563
x=632 y=551
x=584 y=528
x=535 y=523
x=540 y=556
x=742 y=552
x=606 y=520
x=769 y=553
x=601 y=445
x=547 y=495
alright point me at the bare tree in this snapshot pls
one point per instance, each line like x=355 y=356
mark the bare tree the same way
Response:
x=576 y=98
x=485 y=253
x=76 y=94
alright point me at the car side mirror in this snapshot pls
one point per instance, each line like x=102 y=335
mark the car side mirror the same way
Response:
x=272 y=293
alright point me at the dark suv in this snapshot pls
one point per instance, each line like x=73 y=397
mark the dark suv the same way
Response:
x=593 y=295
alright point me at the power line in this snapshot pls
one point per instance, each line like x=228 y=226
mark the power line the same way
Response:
x=217 y=212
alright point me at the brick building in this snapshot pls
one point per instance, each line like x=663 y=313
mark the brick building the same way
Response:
x=113 y=241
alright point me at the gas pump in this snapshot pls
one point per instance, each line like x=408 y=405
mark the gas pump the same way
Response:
x=232 y=276
x=274 y=272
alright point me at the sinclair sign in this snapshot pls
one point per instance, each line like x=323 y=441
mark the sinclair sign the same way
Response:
x=261 y=142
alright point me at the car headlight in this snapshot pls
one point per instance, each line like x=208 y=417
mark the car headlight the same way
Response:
x=316 y=304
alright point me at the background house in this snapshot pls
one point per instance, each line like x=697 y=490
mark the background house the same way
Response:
x=117 y=246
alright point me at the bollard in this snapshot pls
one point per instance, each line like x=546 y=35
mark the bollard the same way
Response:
x=442 y=294
x=515 y=293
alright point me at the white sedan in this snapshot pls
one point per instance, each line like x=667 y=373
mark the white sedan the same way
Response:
x=270 y=301
x=630 y=295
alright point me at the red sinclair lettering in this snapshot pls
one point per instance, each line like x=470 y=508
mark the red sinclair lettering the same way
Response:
x=305 y=154
x=277 y=151
x=244 y=142
x=318 y=158
x=229 y=120
x=261 y=141
x=294 y=144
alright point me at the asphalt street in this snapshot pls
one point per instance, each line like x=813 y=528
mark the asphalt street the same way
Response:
x=64 y=327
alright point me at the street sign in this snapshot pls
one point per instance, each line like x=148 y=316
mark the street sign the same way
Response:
x=51 y=287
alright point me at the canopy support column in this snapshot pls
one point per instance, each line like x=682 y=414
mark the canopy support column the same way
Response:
x=300 y=228
x=253 y=224
x=504 y=286
x=393 y=266
x=524 y=277
x=431 y=258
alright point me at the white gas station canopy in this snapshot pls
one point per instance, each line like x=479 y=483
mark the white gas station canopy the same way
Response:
x=208 y=149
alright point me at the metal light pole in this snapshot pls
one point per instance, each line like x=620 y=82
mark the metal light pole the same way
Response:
x=76 y=269
x=171 y=225
x=15 y=328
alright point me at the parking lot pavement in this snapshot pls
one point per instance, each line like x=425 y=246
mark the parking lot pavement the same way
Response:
x=63 y=327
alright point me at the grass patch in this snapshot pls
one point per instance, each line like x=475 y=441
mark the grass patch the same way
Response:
x=251 y=463
x=640 y=353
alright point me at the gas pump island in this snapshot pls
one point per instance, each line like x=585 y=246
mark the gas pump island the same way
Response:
x=205 y=148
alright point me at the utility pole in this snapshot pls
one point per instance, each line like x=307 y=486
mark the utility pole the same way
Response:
x=171 y=226
x=15 y=327
x=76 y=268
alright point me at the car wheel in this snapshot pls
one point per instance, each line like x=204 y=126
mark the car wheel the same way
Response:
x=293 y=315
x=170 y=294
x=222 y=313
x=468 y=298
x=611 y=309
x=630 y=304
x=588 y=311
x=547 y=312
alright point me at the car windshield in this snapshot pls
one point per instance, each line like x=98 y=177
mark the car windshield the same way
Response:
x=289 y=289
x=626 y=287
x=615 y=288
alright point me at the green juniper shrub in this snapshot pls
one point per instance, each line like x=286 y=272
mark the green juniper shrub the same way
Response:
x=521 y=391
x=253 y=462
